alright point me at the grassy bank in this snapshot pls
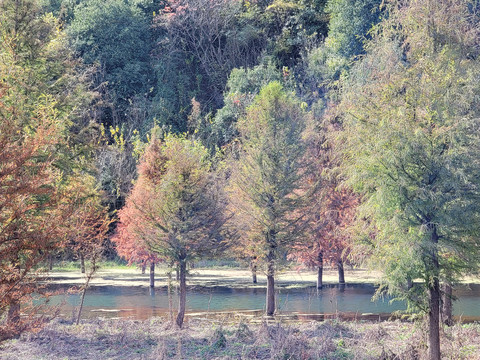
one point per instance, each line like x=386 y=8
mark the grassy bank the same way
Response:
x=230 y=339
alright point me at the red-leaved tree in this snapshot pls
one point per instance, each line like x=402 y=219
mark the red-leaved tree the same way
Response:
x=133 y=249
x=176 y=208
x=329 y=241
x=32 y=211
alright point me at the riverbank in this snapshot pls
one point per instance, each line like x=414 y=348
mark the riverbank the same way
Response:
x=219 y=277
x=231 y=339
x=211 y=277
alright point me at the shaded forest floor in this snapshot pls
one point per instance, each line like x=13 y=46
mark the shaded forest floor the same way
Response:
x=227 y=339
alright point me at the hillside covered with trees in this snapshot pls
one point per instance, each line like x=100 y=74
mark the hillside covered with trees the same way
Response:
x=314 y=132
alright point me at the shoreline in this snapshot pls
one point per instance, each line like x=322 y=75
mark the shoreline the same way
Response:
x=216 y=277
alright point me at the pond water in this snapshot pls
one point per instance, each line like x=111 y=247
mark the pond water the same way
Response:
x=142 y=303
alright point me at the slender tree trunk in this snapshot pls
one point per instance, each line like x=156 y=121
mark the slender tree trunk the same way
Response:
x=341 y=272
x=13 y=315
x=320 y=271
x=177 y=273
x=82 y=263
x=434 y=321
x=82 y=299
x=152 y=274
x=409 y=283
x=84 y=291
x=170 y=299
x=434 y=301
x=50 y=262
x=447 y=304
x=144 y=266
x=253 y=267
x=271 y=283
x=182 y=292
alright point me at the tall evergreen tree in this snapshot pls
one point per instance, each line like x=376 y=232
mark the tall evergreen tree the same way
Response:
x=270 y=180
x=412 y=122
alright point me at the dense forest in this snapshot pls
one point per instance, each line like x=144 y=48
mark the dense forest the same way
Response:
x=268 y=131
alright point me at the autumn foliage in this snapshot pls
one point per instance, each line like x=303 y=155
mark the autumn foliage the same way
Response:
x=330 y=235
x=176 y=209
x=40 y=211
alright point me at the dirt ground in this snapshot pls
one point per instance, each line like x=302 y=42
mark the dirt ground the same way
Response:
x=231 y=277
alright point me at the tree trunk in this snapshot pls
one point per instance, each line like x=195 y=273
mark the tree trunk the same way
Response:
x=409 y=283
x=182 y=292
x=82 y=263
x=341 y=272
x=144 y=266
x=152 y=274
x=271 y=283
x=13 y=315
x=170 y=299
x=320 y=271
x=82 y=300
x=253 y=267
x=434 y=321
x=50 y=262
x=434 y=301
x=177 y=273
x=447 y=304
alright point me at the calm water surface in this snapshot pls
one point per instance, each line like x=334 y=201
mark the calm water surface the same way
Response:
x=142 y=303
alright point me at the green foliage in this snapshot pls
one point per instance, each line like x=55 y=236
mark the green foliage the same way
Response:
x=293 y=25
x=175 y=208
x=116 y=35
x=411 y=133
x=242 y=87
x=269 y=184
x=349 y=26
x=350 y=22
x=199 y=43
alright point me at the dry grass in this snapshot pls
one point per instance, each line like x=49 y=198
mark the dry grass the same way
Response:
x=228 y=339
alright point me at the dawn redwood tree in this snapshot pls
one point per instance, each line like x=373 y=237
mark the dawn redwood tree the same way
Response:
x=329 y=239
x=88 y=227
x=44 y=149
x=270 y=181
x=89 y=222
x=32 y=211
x=134 y=249
x=412 y=121
x=176 y=207
x=39 y=205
